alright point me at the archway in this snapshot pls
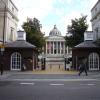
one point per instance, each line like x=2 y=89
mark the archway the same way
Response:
x=16 y=61
x=93 y=61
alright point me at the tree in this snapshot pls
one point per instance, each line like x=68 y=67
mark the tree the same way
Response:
x=76 y=30
x=33 y=33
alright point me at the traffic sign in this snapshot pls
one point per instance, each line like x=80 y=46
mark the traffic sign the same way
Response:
x=2 y=47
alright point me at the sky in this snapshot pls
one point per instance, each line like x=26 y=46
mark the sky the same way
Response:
x=54 y=12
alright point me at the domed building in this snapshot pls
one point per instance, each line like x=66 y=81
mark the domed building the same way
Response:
x=54 y=49
x=55 y=32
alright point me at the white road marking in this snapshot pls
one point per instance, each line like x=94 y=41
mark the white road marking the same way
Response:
x=27 y=83
x=91 y=84
x=57 y=84
x=88 y=84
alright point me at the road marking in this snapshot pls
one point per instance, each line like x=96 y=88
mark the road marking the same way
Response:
x=88 y=84
x=57 y=84
x=27 y=83
x=91 y=84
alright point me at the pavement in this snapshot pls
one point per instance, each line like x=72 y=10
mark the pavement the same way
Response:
x=37 y=74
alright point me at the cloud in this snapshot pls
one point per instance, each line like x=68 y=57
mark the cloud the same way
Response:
x=46 y=29
x=64 y=1
x=33 y=8
x=62 y=23
x=89 y=4
x=66 y=20
x=51 y=12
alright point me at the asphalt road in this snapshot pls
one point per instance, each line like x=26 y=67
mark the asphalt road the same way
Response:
x=22 y=87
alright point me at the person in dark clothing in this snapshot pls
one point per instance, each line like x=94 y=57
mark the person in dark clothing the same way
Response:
x=1 y=68
x=82 y=67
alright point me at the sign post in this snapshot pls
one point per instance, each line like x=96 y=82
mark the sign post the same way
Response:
x=2 y=48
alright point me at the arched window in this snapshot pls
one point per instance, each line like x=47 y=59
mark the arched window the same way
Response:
x=93 y=61
x=16 y=61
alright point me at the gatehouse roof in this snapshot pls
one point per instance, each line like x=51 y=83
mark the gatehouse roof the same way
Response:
x=19 y=44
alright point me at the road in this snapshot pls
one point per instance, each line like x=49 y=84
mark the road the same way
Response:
x=49 y=87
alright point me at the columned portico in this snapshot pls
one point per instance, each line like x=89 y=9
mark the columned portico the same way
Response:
x=55 y=48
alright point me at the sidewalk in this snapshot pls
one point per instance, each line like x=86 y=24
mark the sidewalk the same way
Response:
x=36 y=73
x=5 y=75
x=46 y=74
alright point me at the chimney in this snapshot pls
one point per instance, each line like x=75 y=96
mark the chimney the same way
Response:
x=21 y=35
x=88 y=35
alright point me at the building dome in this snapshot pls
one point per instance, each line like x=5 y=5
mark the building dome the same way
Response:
x=55 y=32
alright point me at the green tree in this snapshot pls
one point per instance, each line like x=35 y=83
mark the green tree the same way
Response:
x=33 y=33
x=76 y=30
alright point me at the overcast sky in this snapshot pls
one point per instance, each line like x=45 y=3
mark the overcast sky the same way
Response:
x=51 y=12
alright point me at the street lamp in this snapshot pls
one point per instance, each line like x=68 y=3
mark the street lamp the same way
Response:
x=43 y=61
x=2 y=46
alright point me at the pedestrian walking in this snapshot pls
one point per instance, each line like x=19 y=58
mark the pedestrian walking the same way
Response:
x=1 y=68
x=59 y=66
x=83 y=67
x=23 y=67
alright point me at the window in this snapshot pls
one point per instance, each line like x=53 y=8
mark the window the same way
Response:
x=16 y=61
x=11 y=34
x=12 y=12
x=11 y=37
x=95 y=9
x=93 y=61
x=96 y=30
x=13 y=9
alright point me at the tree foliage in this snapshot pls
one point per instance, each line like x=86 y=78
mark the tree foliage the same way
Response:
x=33 y=33
x=76 y=30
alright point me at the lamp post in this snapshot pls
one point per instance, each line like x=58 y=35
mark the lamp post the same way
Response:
x=4 y=23
x=3 y=46
x=65 y=61
x=43 y=61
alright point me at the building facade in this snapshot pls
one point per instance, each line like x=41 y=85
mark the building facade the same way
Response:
x=95 y=12
x=89 y=49
x=19 y=55
x=55 y=49
x=8 y=21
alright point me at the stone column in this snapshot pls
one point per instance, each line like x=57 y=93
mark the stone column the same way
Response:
x=57 y=46
x=50 y=47
x=67 y=50
x=46 y=47
x=53 y=47
x=64 y=47
x=60 y=47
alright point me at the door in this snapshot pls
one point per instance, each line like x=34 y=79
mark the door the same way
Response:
x=16 y=61
x=93 y=61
